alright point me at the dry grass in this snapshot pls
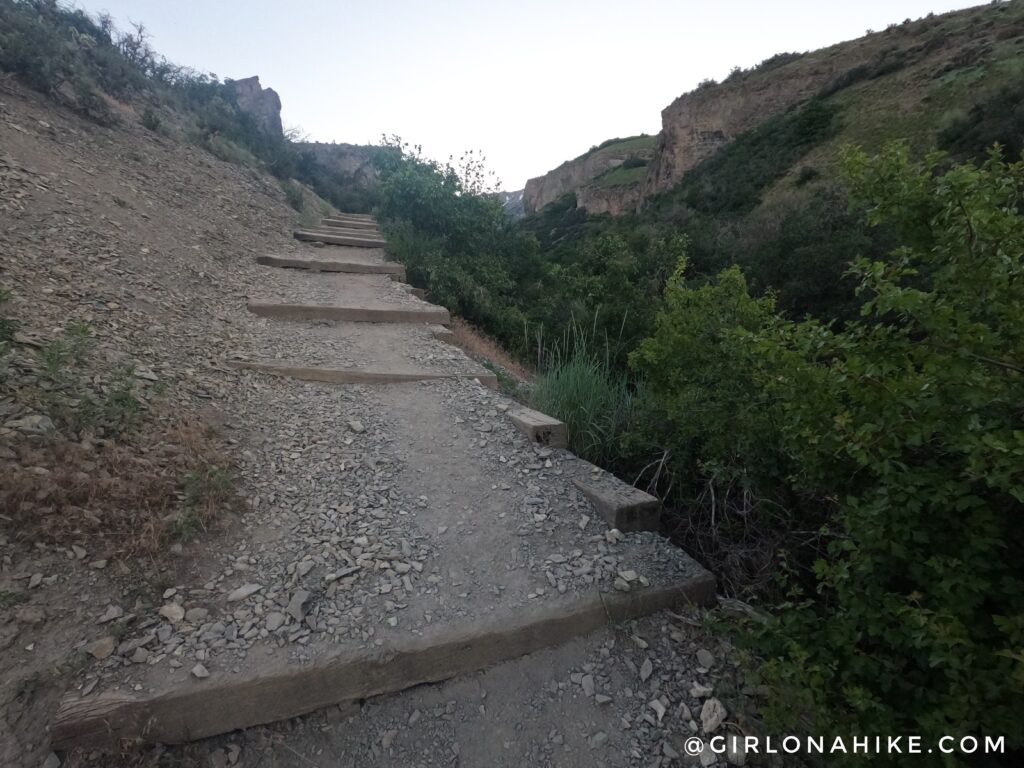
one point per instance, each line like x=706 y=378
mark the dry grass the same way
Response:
x=483 y=348
x=129 y=499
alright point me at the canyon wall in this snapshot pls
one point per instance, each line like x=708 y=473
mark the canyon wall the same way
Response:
x=573 y=174
x=698 y=123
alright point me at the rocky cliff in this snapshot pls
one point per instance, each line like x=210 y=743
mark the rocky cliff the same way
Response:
x=573 y=174
x=263 y=104
x=351 y=162
x=698 y=123
x=615 y=200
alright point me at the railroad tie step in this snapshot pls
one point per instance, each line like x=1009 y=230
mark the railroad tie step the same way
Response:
x=441 y=333
x=200 y=709
x=539 y=427
x=358 y=376
x=394 y=269
x=314 y=236
x=334 y=221
x=622 y=505
x=428 y=314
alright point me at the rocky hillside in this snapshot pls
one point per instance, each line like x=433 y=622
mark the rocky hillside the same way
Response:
x=512 y=202
x=911 y=80
x=125 y=260
x=574 y=174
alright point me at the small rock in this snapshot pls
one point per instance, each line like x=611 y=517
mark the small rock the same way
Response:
x=705 y=659
x=102 y=648
x=80 y=552
x=99 y=565
x=112 y=612
x=140 y=656
x=646 y=669
x=299 y=605
x=200 y=671
x=173 y=612
x=588 y=685
x=356 y=426
x=30 y=614
x=196 y=615
x=243 y=592
x=598 y=739
x=658 y=707
x=274 y=621
x=52 y=761
x=711 y=715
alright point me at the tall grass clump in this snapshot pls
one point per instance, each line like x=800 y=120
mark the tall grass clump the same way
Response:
x=580 y=385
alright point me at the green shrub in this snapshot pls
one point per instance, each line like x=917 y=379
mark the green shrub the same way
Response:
x=909 y=424
x=456 y=240
x=903 y=430
x=150 y=120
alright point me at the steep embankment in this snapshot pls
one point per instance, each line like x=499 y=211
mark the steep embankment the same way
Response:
x=574 y=174
x=126 y=257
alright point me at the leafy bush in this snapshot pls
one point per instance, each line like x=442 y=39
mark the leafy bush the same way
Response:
x=456 y=240
x=910 y=422
x=903 y=430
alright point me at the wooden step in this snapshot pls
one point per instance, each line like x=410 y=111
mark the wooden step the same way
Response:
x=348 y=223
x=539 y=427
x=394 y=269
x=354 y=216
x=426 y=314
x=338 y=239
x=364 y=234
x=620 y=504
x=227 y=702
x=354 y=376
x=347 y=229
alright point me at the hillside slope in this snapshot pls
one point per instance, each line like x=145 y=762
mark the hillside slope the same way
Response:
x=125 y=257
x=912 y=80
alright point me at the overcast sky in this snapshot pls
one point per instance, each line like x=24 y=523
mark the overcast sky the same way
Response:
x=529 y=82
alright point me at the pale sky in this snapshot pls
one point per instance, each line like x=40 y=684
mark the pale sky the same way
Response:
x=530 y=83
